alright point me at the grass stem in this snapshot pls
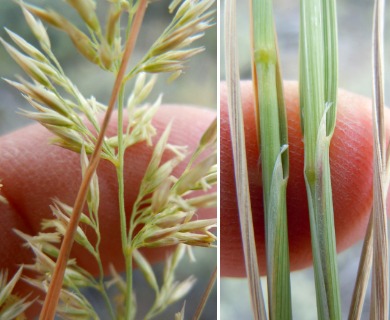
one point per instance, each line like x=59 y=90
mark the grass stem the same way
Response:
x=240 y=164
x=380 y=276
x=206 y=295
x=272 y=137
x=318 y=80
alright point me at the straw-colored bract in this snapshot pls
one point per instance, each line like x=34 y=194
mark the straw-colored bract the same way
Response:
x=240 y=166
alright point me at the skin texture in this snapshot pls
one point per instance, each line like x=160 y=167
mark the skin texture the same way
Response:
x=351 y=170
x=33 y=172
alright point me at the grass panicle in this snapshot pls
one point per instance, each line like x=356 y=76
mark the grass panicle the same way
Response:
x=165 y=210
x=240 y=166
x=11 y=305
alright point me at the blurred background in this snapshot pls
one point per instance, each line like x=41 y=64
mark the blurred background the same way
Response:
x=354 y=30
x=196 y=86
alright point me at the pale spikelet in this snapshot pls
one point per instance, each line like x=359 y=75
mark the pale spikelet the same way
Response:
x=154 y=179
x=61 y=224
x=158 y=152
x=159 y=66
x=170 y=61
x=63 y=120
x=153 y=236
x=180 y=55
x=106 y=56
x=186 y=182
x=139 y=120
x=27 y=64
x=161 y=196
x=210 y=135
x=68 y=211
x=86 y=10
x=146 y=269
x=11 y=305
x=80 y=40
x=112 y=24
x=181 y=289
x=3 y=199
x=180 y=315
x=47 y=241
x=181 y=203
x=204 y=201
x=29 y=49
x=198 y=225
x=47 y=117
x=170 y=220
x=37 y=28
x=96 y=106
x=68 y=139
x=173 y=5
x=142 y=89
x=72 y=305
x=6 y=286
x=206 y=182
x=171 y=290
x=195 y=239
x=140 y=127
x=174 y=76
x=41 y=95
x=192 y=18
x=44 y=265
x=75 y=306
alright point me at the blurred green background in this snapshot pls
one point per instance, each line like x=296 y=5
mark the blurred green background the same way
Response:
x=196 y=86
x=354 y=29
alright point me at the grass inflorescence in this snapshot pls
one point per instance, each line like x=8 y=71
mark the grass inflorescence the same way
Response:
x=165 y=210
